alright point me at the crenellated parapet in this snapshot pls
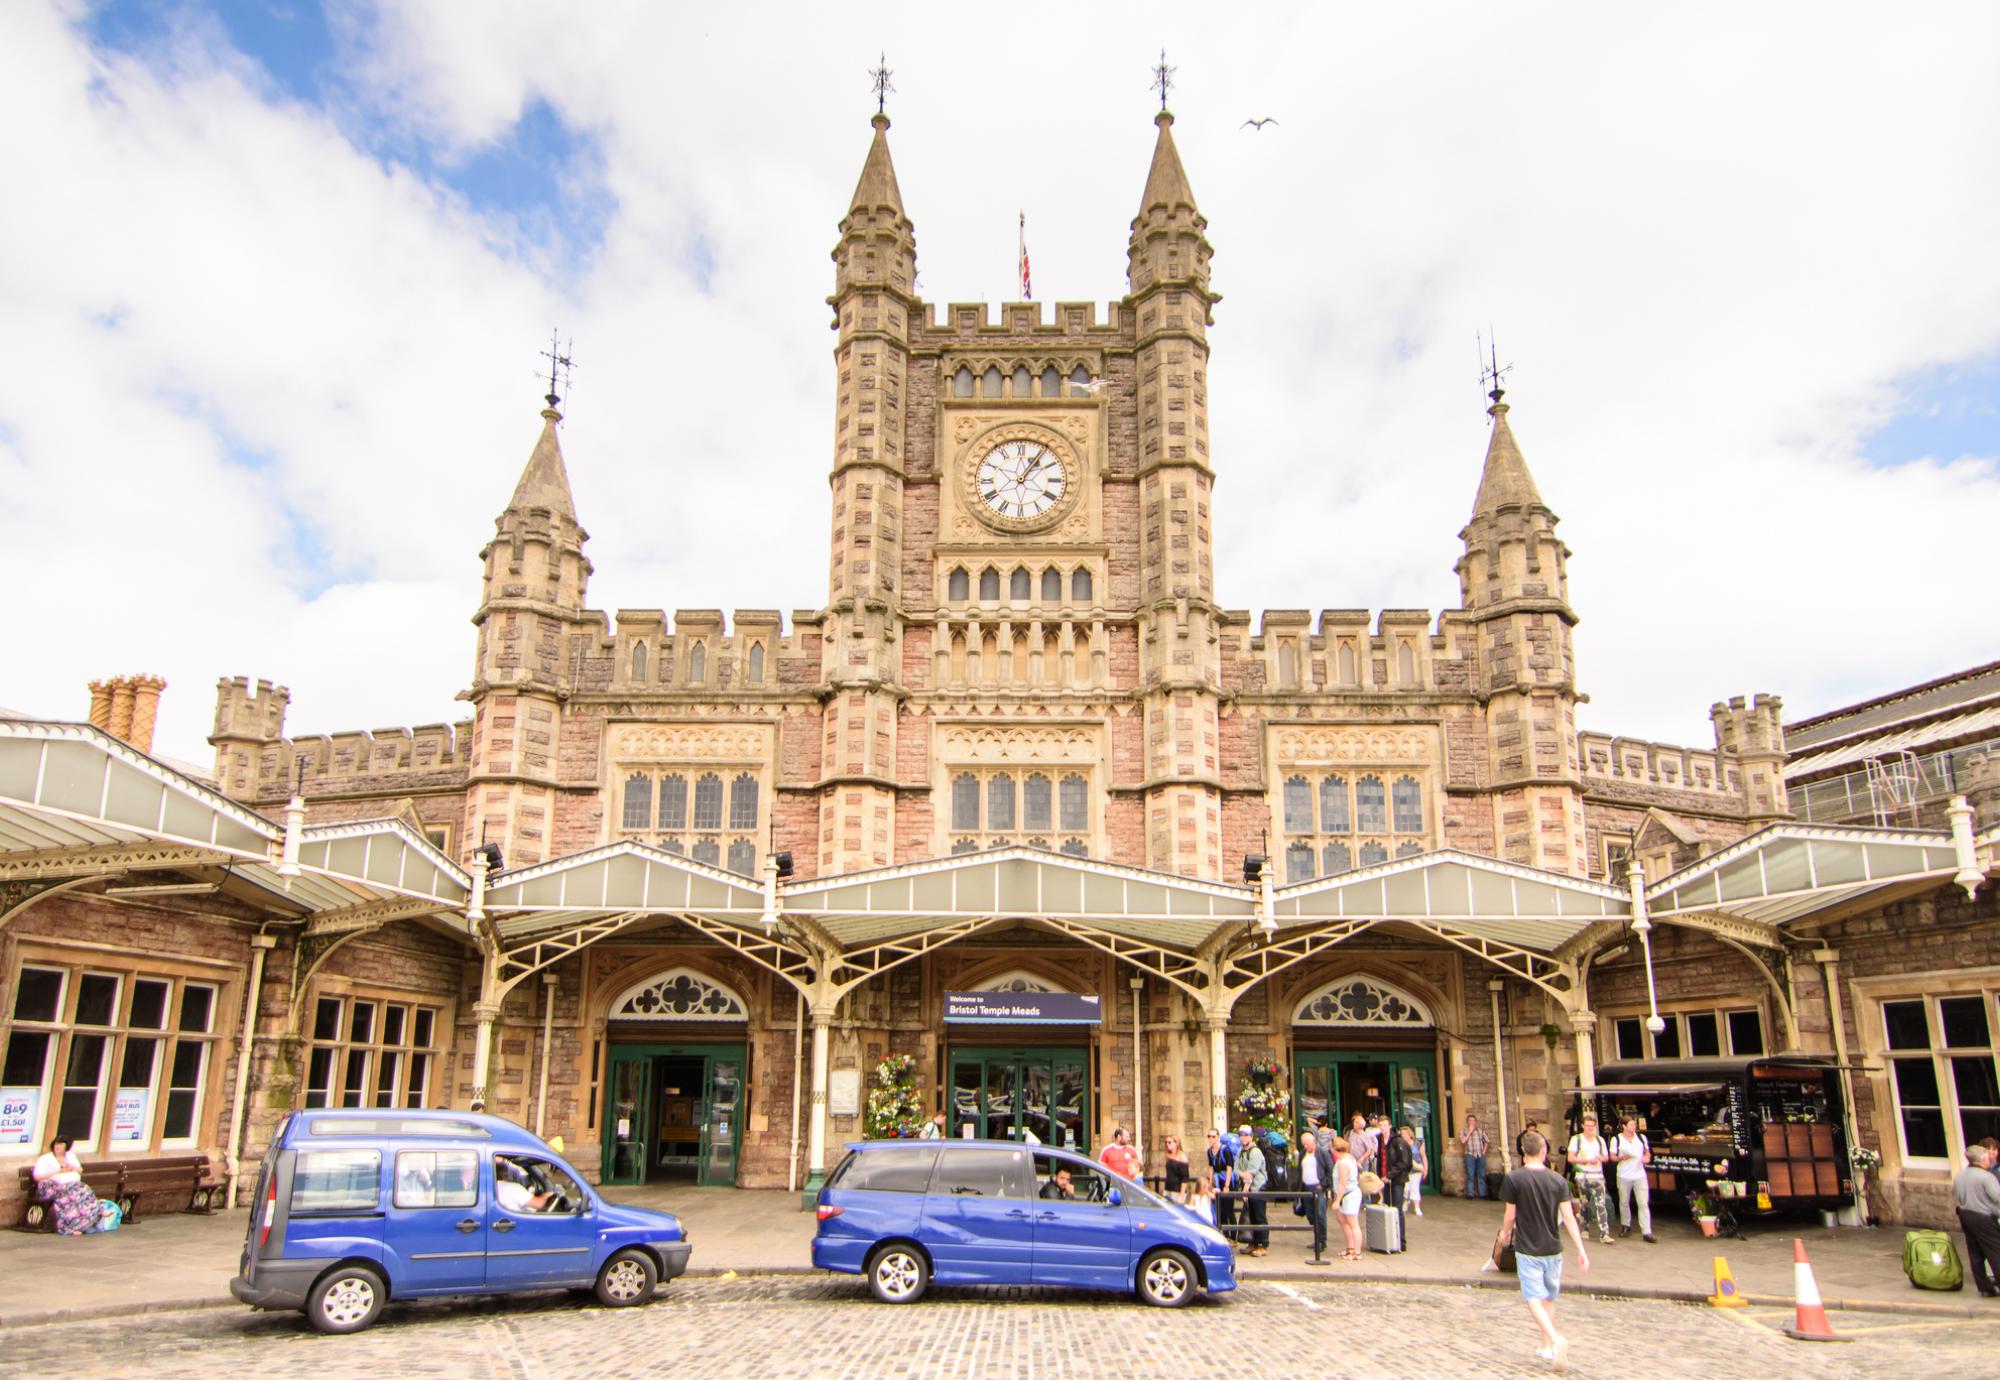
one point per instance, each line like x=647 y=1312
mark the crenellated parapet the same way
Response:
x=1348 y=651
x=697 y=652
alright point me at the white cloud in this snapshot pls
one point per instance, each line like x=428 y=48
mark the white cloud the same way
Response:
x=1712 y=241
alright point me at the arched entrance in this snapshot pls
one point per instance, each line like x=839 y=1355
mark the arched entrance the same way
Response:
x=1362 y=1043
x=675 y=1088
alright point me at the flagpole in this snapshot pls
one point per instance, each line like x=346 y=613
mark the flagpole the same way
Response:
x=1021 y=260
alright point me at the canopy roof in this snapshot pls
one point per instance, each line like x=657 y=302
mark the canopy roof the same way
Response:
x=1786 y=872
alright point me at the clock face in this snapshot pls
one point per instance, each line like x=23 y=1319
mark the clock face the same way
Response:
x=1021 y=480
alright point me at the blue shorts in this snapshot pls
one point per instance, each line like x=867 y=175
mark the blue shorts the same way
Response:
x=1541 y=1275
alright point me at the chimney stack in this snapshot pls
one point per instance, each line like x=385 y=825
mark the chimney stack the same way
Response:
x=128 y=708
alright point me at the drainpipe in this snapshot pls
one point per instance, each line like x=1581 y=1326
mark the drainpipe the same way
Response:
x=1494 y=986
x=798 y=1086
x=1138 y=1069
x=1826 y=959
x=548 y=1036
x=260 y=944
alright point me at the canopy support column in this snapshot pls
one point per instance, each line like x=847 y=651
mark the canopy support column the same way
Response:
x=822 y=1019
x=1494 y=986
x=1826 y=958
x=1583 y=1025
x=1218 y=1070
x=260 y=944
x=484 y=1014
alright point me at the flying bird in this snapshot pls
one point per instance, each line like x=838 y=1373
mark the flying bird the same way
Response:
x=1259 y=124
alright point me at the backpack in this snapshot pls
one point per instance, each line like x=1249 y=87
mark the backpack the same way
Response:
x=1931 y=1261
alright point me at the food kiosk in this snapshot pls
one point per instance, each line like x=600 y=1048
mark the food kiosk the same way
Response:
x=1737 y=1136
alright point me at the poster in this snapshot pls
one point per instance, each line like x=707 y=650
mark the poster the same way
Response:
x=128 y=1114
x=20 y=1110
x=843 y=1092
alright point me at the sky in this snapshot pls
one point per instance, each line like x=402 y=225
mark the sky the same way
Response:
x=275 y=278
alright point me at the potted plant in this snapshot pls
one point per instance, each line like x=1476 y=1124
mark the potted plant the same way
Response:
x=1263 y=1072
x=1263 y=1100
x=1705 y=1215
x=895 y=1105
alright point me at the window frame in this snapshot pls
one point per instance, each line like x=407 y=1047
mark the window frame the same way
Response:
x=679 y=820
x=1339 y=784
x=1071 y=828
x=1983 y=984
x=416 y=1060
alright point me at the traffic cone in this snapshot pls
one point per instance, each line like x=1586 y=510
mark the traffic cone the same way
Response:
x=1810 y=1324
x=1725 y=1295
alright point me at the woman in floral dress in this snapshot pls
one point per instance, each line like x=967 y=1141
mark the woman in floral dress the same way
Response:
x=59 y=1183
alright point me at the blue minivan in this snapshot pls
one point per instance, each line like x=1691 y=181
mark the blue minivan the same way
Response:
x=356 y=1207
x=906 y=1212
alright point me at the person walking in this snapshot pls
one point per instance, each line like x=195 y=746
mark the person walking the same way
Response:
x=1420 y=1165
x=1632 y=1150
x=1361 y=1142
x=1976 y=1192
x=1176 y=1168
x=1474 y=1145
x=1587 y=1154
x=1347 y=1197
x=1252 y=1174
x=1522 y=1139
x=1316 y=1180
x=1538 y=1212
x=1222 y=1172
x=1396 y=1161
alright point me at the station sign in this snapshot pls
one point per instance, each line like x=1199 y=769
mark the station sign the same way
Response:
x=1023 y=1008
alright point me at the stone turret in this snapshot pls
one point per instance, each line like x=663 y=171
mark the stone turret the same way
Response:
x=1515 y=589
x=248 y=723
x=1750 y=736
x=1171 y=304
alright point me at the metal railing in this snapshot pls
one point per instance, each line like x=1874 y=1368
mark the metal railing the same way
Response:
x=1857 y=795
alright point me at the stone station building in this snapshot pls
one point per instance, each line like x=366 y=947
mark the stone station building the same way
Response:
x=678 y=885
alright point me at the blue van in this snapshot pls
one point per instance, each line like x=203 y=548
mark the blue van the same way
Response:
x=355 y=1207
x=906 y=1212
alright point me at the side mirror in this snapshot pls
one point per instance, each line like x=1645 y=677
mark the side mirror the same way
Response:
x=1117 y=1198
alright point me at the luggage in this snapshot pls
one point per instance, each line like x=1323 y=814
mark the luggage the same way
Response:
x=1384 y=1228
x=1931 y=1261
x=1503 y=1253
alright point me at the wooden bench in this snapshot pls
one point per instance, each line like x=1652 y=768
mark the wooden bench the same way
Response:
x=134 y=1185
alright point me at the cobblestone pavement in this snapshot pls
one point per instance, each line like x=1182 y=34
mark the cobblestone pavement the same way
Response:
x=821 y=1326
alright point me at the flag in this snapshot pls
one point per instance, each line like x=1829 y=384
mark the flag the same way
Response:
x=1027 y=282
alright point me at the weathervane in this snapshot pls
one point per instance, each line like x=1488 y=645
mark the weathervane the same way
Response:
x=1490 y=369
x=880 y=77
x=558 y=357
x=1163 y=78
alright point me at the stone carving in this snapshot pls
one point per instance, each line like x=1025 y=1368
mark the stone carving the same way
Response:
x=1334 y=746
x=1361 y=1001
x=959 y=743
x=689 y=743
x=1017 y=981
x=680 y=995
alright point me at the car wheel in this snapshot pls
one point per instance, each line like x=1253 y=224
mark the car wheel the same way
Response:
x=898 y=1274
x=627 y=1279
x=346 y=1300
x=1167 y=1280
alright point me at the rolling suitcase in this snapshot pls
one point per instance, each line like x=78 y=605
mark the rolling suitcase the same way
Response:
x=1384 y=1227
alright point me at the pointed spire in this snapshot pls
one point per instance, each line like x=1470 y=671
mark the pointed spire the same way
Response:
x=545 y=482
x=1166 y=181
x=877 y=187
x=1505 y=479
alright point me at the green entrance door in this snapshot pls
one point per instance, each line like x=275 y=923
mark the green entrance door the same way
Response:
x=1336 y=1084
x=1005 y=1094
x=673 y=1111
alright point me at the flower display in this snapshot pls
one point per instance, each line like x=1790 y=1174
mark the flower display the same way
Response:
x=1264 y=1101
x=1865 y=1159
x=895 y=1103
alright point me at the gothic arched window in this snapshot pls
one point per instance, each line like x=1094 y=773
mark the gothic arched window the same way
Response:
x=756 y=674
x=697 y=664
x=989 y=584
x=743 y=802
x=1410 y=849
x=1347 y=663
x=708 y=851
x=1037 y=802
x=639 y=661
x=1076 y=848
x=992 y=384
x=1336 y=858
x=1299 y=863
x=1079 y=587
x=638 y=801
x=1074 y=802
x=1372 y=853
x=708 y=801
x=743 y=857
x=1298 y=805
x=965 y=802
x=673 y=801
x=1333 y=805
x=1369 y=811
x=1288 y=664
x=1000 y=802
x=1019 y=588
x=1051 y=382
x=1409 y=803
x=1079 y=382
x=961 y=383
x=1406 y=663
x=1051 y=586
x=1024 y=382
x=958 y=586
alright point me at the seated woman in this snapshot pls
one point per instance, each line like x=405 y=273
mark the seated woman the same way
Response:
x=59 y=1183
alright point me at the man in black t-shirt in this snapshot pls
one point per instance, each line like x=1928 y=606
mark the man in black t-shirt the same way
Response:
x=1538 y=1212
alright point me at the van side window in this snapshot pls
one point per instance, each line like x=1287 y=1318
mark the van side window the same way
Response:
x=899 y=1169
x=437 y=1178
x=337 y=1181
x=526 y=1183
x=1083 y=1185
x=984 y=1173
